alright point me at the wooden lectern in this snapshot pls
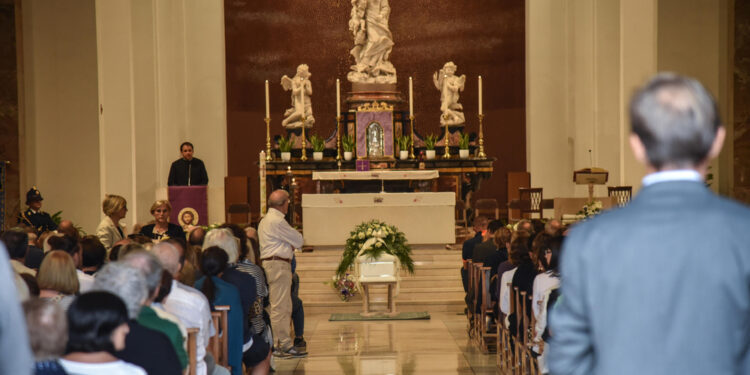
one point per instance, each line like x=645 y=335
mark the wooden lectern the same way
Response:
x=591 y=177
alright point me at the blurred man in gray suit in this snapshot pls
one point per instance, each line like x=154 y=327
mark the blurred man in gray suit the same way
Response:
x=662 y=285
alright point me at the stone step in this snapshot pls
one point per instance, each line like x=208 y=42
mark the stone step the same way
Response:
x=420 y=269
x=355 y=305
x=380 y=294
x=430 y=281
x=334 y=255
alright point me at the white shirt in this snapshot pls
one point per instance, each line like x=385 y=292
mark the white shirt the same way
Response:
x=505 y=281
x=164 y=314
x=674 y=175
x=544 y=283
x=193 y=310
x=110 y=368
x=85 y=281
x=277 y=237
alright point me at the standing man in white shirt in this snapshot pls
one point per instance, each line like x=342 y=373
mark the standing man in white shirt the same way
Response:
x=277 y=243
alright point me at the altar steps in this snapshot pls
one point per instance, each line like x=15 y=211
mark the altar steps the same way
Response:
x=434 y=287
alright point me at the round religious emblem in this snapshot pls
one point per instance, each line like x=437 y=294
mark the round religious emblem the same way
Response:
x=188 y=216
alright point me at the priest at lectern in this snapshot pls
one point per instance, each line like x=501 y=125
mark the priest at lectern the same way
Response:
x=187 y=171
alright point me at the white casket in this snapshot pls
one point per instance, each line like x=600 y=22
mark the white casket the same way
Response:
x=382 y=269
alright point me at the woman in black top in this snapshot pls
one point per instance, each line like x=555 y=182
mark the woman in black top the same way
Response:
x=162 y=229
x=523 y=279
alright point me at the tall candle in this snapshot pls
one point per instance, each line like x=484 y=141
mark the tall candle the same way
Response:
x=480 y=95
x=411 y=98
x=268 y=111
x=338 y=97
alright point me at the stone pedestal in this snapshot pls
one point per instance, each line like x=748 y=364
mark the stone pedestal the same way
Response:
x=368 y=92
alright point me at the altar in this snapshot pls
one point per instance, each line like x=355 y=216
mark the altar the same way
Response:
x=425 y=218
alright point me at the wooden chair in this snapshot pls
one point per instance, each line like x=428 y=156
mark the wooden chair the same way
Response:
x=470 y=297
x=487 y=207
x=487 y=336
x=461 y=209
x=218 y=345
x=192 y=350
x=530 y=202
x=621 y=194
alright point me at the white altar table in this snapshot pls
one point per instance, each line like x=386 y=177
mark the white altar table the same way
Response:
x=377 y=175
x=425 y=218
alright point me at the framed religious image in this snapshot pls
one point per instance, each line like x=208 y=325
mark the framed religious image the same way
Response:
x=374 y=131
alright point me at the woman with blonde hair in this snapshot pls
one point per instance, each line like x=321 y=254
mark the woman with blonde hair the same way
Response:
x=57 y=278
x=109 y=230
x=162 y=229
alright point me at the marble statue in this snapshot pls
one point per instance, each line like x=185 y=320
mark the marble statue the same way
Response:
x=372 y=42
x=449 y=85
x=301 y=91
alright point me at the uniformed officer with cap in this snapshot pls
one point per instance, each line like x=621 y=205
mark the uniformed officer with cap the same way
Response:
x=34 y=216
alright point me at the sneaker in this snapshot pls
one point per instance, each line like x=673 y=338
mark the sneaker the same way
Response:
x=300 y=344
x=289 y=353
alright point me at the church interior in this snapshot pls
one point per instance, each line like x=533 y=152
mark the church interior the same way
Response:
x=96 y=97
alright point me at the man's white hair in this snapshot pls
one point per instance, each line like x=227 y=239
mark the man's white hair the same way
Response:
x=168 y=255
x=223 y=238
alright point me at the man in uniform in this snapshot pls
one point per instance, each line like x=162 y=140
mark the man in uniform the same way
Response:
x=34 y=216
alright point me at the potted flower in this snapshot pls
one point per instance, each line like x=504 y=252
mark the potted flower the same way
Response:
x=403 y=145
x=285 y=146
x=318 y=145
x=429 y=144
x=347 y=142
x=463 y=145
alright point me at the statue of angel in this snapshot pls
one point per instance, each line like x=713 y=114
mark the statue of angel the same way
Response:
x=449 y=85
x=373 y=42
x=301 y=89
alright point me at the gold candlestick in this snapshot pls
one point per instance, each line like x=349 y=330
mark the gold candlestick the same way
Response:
x=338 y=137
x=411 y=144
x=447 y=154
x=304 y=141
x=268 y=138
x=481 y=153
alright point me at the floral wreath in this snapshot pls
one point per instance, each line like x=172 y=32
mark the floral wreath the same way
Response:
x=380 y=238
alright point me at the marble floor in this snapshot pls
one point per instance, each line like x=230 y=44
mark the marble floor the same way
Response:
x=436 y=346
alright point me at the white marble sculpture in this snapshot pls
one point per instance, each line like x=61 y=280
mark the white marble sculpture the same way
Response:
x=301 y=103
x=372 y=42
x=449 y=85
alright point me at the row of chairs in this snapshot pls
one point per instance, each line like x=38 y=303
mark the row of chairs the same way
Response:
x=218 y=345
x=481 y=329
x=531 y=202
x=490 y=334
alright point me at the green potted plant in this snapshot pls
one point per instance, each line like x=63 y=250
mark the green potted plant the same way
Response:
x=318 y=145
x=347 y=142
x=463 y=145
x=285 y=146
x=404 y=142
x=429 y=143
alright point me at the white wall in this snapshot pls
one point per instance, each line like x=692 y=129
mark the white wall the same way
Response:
x=156 y=68
x=59 y=137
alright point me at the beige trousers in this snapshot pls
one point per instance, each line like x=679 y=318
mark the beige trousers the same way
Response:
x=279 y=277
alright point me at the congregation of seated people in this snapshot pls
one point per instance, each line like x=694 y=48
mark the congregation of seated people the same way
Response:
x=124 y=303
x=523 y=260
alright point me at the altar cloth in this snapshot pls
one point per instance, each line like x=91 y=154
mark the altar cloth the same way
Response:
x=425 y=218
x=377 y=175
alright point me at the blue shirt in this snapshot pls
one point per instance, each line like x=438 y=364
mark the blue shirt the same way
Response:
x=227 y=294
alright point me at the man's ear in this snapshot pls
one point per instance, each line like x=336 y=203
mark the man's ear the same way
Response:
x=639 y=150
x=718 y=143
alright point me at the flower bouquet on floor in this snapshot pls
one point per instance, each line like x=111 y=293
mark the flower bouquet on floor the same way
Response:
x=345 y=286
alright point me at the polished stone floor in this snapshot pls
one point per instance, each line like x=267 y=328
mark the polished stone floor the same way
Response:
x=436 y=346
